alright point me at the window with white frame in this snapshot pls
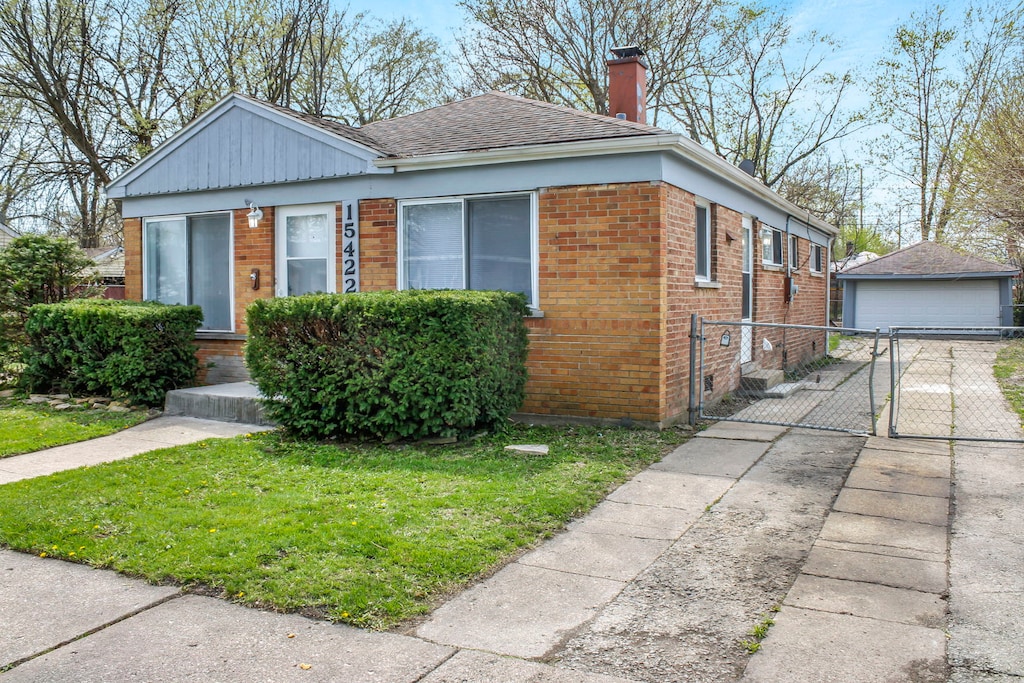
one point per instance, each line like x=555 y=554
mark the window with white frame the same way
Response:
x=469 y=243
x=817 y=258
x=187 y=260
x=771 y=245
x=305 y=248
x=703 y=241
x=794 y=252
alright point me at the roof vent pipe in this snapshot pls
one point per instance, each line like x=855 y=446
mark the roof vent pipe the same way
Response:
x=627 y=84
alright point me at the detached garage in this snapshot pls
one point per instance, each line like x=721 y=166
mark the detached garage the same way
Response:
x=927 y=285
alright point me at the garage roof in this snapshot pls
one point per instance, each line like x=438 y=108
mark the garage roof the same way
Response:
x=928 y=260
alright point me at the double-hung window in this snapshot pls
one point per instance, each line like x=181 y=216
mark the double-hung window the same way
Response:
x=794 y=252
x=469 y=243
x=817 y=260
x=187 y=260
x=771 y=246
x=703 y=242
x=305 y=248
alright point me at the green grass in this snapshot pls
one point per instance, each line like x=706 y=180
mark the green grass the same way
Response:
x=24 y=428
x=369 y=535
x=1009 y=372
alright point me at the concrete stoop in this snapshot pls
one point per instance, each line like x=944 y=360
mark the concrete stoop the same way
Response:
x=766 y=384
x=234 y=402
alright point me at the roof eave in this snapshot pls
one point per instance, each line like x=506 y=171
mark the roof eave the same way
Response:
x=555 y=150
x=672 y=142
x=929 y=276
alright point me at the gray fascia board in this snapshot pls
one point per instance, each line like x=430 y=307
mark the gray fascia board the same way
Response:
x=932 y=276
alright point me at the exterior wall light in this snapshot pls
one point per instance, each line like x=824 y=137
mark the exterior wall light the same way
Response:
x=255 y=215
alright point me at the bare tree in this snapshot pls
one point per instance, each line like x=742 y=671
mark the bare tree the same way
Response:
x=777 y=110
x=941 y=74
x=555 y=50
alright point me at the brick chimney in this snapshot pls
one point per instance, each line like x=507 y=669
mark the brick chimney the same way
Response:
x=627 y=84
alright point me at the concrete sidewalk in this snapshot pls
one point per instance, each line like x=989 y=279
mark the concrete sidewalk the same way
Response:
x=632 y=592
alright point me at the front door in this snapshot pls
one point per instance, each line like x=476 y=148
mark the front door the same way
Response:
x=746 y=332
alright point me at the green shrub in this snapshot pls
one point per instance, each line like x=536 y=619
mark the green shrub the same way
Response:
x=135 y=351
x=391 y=365
x=37 y=269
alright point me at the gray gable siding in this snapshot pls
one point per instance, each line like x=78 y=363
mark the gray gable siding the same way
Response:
x=244 y=147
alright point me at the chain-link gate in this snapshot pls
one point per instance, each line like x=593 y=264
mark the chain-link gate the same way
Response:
x=788 y=375
x=944 y=384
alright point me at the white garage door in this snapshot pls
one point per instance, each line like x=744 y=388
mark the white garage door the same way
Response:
x=960 y=303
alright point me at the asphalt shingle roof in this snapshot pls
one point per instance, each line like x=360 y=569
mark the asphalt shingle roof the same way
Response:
x=492 y=121
x=928 y=258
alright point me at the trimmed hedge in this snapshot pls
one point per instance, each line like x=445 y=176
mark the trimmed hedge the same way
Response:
x=130 y=350
x=390 y=365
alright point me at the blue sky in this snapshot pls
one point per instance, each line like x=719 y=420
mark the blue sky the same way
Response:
x=862 y=26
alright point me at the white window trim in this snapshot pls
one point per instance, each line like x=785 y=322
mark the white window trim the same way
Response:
x=817 y=260
x=231 y=251
x=281 y=213
x=534 y=234
x=760 y=236
x=794 y=252
x=704 y=204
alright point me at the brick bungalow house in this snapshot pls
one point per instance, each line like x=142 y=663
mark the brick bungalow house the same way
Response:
x=616 y=232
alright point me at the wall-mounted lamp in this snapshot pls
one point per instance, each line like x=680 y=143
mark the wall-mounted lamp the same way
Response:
x=255 y=214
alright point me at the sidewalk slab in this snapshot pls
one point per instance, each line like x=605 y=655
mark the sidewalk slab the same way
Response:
x=884 y=478
x=882 y=531
x=606 y=556
x=806 y=645
x=867 y=600
x=480 y=667
x=46 y=602
x=204 y=639
x=906 y=462
x=922 y=446
x=638 y=521
x=521 y=611
x=897 y=572
x=689 y=492
x=715 y=457
x=748 y=431
x=905 y=506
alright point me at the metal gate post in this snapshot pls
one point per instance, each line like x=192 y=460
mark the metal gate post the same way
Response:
x=893 y=381
x=871 y=386
x=692 y=407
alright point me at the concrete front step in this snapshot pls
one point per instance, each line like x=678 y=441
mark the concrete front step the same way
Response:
x=234 y=402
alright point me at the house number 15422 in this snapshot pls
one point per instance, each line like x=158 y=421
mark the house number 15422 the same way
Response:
x=350 y=246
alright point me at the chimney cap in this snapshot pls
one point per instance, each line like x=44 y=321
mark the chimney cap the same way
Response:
x=627 y=51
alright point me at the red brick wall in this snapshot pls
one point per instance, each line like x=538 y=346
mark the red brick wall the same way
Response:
x=597 y=353
x=378 y=244
x=254 y=248
x=133 y=259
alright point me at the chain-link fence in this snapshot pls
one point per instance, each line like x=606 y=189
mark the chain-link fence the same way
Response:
x=790 y=375
x=944 y=384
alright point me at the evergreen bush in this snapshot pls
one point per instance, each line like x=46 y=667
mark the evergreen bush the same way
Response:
x=390 y=365
x=130 y=350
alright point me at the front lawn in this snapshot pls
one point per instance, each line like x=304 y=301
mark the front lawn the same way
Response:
x=369 y=535
x=25 y=428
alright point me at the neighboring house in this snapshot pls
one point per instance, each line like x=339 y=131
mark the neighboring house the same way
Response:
x=110 y=266
x=927 y=285
x=839 y=265
x=6 y=235
x=615 y=231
